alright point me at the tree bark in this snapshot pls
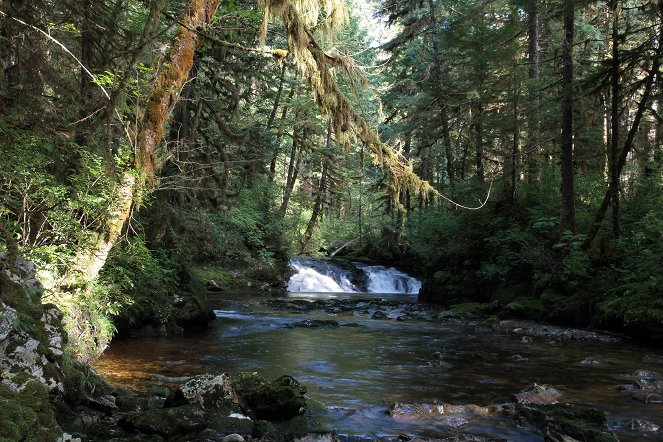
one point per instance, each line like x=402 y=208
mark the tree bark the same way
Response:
x=444 y=117
x=568 y=222
x=171 y=76
x=620 y=160
x=533 y=126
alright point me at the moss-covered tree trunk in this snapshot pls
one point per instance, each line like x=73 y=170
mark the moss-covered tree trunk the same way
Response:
x=173 y=73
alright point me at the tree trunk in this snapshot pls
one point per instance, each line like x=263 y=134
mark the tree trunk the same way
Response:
x=317 y=206
x=172 y=75
x=293 y=171
x=533 y=126
x=478 y=133
x=446 y=134
x=615 y=91
x=620 y=160
x=568 y=221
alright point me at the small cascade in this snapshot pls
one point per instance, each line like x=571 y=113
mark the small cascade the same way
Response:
x=321 y=276
x=389 y=280
x=318 y=276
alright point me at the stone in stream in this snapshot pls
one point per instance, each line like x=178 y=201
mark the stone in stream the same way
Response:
x=640 y=426
x=282 y=399
x=428 y=410
x=206 y=391
x=315 y=323
x=565 y=422
x=166 y=422
x=538 y=394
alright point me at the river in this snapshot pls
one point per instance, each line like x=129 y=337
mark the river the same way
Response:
x=361 y=365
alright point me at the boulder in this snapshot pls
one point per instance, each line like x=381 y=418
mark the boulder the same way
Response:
x=280 y=400
x=566 y=422
x=538 y=394
x=167 y=422
x=640 y=426
x=207 y=391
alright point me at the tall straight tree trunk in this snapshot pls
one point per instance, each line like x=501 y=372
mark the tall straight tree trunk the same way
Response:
x=615 y=91
x=515 y=148
x=293 y=170
x=568 y=215
x=170 y=79
x=533 y=126
x=444 y=117
x=620 y=160
x=322 y=189
x=478 y=134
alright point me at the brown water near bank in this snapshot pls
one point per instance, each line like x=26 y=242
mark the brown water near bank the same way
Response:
x=364 y=365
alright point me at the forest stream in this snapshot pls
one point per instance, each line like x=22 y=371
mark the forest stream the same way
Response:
x=360 y=344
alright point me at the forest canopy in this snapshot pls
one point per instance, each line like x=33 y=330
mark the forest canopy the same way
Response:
x=147 y=139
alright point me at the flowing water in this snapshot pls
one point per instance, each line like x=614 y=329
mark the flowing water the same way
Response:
x=363 y=365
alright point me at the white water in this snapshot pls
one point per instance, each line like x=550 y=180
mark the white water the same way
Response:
x=390 y=280
x=320 y=276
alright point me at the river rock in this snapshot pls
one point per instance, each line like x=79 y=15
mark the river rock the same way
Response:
x=167 y=422
x=640 y=426
x=316 y=323
x=212 y=286
x=565 y=422
x=648 y=398
x=280 y=400
x=428 y=410
x=538 y=394
x=379 y=314
x=207 y=391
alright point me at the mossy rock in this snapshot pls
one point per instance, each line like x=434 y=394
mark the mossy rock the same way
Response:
x=27 y=415
x=561 y=422
x=167 y=422
x=280 y=400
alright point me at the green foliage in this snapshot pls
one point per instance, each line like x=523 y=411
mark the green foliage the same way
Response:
x=135 y=284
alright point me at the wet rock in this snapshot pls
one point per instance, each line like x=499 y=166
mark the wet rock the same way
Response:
x=565 y=422
x=456 y=422
x=225 y=425
x=538 y=394
x=527 y=339
x=518 y=358
x=212 y=286
x=590 y=361
x=640 y=426
x=166 y=422
x=428 y=410
x=379 y=314
x=282 y=399
x=206 y=391
x=557 y=333
x=648 y=398
x=316 y=323
x=233 y=438
x=643 y=380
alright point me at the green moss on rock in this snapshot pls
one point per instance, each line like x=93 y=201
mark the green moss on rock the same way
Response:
x=27 y=415
x=561 y=422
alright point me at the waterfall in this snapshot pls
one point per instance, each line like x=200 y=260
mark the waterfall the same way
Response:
x=389 y=280
x=322 y=276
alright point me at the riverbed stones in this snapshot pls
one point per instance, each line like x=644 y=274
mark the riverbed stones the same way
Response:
x=538 y=394
x=167 y=422
x=208 y=391
x=315 y=323
x=640 y=426
x=282 y=399
x=565 y=422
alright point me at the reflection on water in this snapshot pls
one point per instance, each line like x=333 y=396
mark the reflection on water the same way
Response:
x=365 y=365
